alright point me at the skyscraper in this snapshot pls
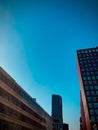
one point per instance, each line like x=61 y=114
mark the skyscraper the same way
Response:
x=88 y=74
x=57 y=112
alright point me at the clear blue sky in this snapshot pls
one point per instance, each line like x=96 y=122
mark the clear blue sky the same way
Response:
x=38 y=43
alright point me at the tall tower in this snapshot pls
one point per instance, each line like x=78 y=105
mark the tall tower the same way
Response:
x=87 y=60
x=57 y=112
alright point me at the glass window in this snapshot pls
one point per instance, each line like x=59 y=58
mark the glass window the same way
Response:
x=96 y=87
x=86 y=51
x=88 y=99
x=95 y=68
x=91 y=111
x=83 y=73
x=89 y=50
x=96 y=72
x=90 y=82
x=94 y=99
x=96 y=92
x=89 y=65
x=96 y=49
x=86 y=65
x=93 y=77
x=93 y=50
x=94 y=82
x=85 y=82
x=96 y=77
x=92 y=73
x=90 y=105
x=97 y=118
x=96 y=111
x=88 y=77
x=92 y=93
x=82 y=69
x=82 y=51
x=94 y=64
x=92 y=118
x=84 y=78
x=86 y=87
x=87 y=69
x=91 y=68
x=91 y=87
x=87 y=73
x=96 y=105
x=87 y=93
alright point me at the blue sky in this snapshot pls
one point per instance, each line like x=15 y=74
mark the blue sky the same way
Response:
x=38 y=43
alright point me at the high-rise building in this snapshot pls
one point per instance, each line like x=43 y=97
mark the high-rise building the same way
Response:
x=57 y=112
x=88 y=74
x=18 y=110
x=65 y=126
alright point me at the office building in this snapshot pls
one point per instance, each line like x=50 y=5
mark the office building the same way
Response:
x=87 y=60
x=18 y=110
x=57 y=112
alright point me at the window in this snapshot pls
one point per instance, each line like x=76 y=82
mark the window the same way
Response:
x=96 y=105
x=93 y=50
x=92 y=118
x=94 y=99
x=90 y=82
x=96 y=87
x=89 y=50
x=96 y=77
x=84 y=78
x=94 y=82
x=91 y=87
x=82 y=51
x=87 y=69
x=82 y=70
x=96 y=111
x=97 y=118
x=91 y=112
x=92 y=73
x=89 y=78
x=87 y=93
x=90 y=105
x=85 y=82
x=96 y=72
x=86 y=87
x=87 y=73
x=91 y=68
x=93 y=77
x=96 y=92
x=92 y=93
x=86 y=51
x=88 y=99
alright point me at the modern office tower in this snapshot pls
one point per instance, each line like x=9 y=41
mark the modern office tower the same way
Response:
x=88 y=74
x=65 y=126
x=57 y=112
x=19 y=111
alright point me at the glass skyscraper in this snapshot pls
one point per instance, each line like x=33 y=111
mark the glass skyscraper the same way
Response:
x=57 y=112
x=87 y=60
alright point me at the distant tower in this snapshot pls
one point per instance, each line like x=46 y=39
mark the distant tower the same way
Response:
x=57 y=112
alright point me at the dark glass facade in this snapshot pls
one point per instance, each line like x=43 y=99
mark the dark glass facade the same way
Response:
x=65 y=127
x=57 y=112
x=19 y=111
x=88 y=74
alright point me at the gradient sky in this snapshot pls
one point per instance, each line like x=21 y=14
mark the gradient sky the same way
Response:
x=38 y=43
